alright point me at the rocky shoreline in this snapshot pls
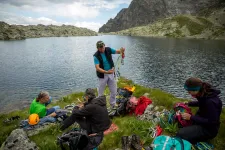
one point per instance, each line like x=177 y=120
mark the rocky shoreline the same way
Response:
x=21 y=32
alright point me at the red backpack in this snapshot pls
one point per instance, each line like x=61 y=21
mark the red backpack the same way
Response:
x=143 y=102
x=182 y=108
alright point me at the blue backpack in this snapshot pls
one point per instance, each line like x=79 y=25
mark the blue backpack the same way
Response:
x=170 y=143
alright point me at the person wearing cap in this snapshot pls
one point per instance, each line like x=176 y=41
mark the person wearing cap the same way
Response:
x=38 y=105
x=92 y=115
x=206 y=122
x=105 y=69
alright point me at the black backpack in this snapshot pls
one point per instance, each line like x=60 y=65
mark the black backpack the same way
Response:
x=123 y=96
x=76 y=139
x=121 y=110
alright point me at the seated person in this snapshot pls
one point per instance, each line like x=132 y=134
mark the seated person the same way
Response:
x=92 y=116
x=38 y=105
x=206 y=122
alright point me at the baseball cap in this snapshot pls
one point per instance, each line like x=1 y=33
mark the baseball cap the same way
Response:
x=100 y=44
x=89 y=92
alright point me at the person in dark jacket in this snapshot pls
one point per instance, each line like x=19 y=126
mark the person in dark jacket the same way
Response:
x=206 y=122
x=91 y=116
x=105 y=69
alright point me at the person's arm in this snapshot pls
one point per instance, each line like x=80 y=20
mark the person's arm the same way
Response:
x=104 y=71
x=212 y=116
x=100 y=69
x=52 y=114
x=83 y=112
x=193 y=103
x=119 y=51
x=41 y=112
x=96 y=61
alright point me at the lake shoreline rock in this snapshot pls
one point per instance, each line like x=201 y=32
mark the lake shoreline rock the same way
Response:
x=21 y=32
x=18 y=139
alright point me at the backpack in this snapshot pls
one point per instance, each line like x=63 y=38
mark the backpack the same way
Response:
x=122 y=93
x=122 y=98
x=120 y=110
x=142 y=104
x=131 y=104
x=76 y=139
x=163 y=142
x=182 y=108
x=61 y=115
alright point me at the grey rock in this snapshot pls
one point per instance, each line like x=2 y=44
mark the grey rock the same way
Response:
x=156 y=108
x=40 y=128
x=152 y=114
x=18 y=140
x=146 y=94
x=143 y=12
x=149 y=108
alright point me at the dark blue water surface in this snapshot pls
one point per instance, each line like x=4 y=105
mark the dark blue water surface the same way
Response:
x=63 y=65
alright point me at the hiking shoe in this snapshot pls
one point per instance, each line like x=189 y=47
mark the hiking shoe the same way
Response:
x=9 y=120
x=126 y=143
x=112 y=108
x=136 y=142
x=148 y=148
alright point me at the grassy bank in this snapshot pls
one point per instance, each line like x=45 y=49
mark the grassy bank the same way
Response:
x=127 y=125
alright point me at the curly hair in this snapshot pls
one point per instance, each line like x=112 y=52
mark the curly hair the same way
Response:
x=41 y=95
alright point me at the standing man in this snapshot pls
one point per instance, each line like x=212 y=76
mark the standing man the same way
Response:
x=105 y=69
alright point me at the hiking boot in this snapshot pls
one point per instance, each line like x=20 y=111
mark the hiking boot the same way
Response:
x=11 y=119
x=148 y=148
x=136 y=142
x=126 y=143
x=112 y=108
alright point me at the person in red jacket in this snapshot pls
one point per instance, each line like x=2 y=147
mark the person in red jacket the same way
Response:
x=207 y=119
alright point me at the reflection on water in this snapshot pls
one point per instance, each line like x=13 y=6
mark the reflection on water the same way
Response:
x=63 y=65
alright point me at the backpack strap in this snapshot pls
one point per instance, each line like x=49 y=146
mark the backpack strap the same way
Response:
x=60 y=142
x=181 y=142
x=171 y=117
x=164 y=145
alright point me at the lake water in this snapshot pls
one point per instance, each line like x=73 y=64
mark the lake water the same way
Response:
x=63 y=65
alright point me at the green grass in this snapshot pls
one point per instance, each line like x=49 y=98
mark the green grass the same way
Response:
x=193 y=27
x=176 y=34
x=6 y=128
x=206 y=22
x=218 y=31
x=128 y=125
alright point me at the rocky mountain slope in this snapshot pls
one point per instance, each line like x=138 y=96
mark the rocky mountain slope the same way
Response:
x=18 y=32
x=143 y=12
x=212 y=26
